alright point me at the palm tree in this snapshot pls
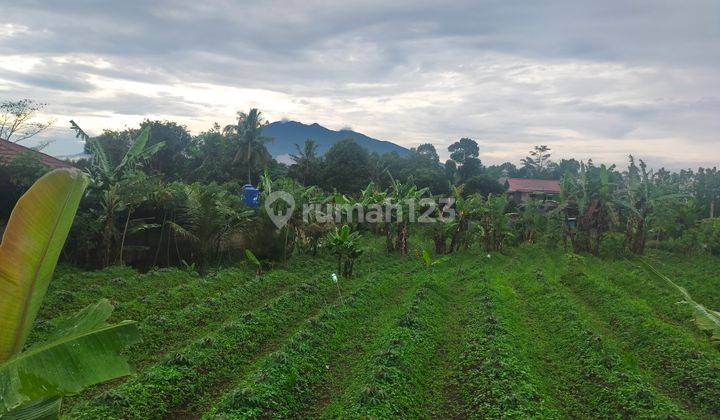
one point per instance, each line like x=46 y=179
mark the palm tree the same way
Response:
x=306 y=158
x=251 y=142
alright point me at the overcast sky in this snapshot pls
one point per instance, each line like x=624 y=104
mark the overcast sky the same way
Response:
x=591 y=79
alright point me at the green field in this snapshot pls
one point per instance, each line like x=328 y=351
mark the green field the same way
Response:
x=517 y=334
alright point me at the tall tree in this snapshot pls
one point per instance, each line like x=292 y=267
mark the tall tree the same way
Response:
x=471 y=168
x=251 y=143
x=18 y=120
x=346 y=167
x=465 y=152
x=707 y=189
x=564 y=166
x=306 y=162
x=211 y=157
x=427 y=150
x=172 y=162
x=537 y=164
x=463 y=149
x=451 y=171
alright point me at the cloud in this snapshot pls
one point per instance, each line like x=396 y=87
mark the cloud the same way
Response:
x=598 y=79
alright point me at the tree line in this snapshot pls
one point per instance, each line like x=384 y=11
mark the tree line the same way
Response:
x=162 y=196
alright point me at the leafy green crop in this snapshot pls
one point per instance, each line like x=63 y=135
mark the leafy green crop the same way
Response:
x=705 y=319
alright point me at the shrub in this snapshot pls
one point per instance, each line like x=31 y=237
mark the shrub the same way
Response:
x=613 y=245
x=708 y=236
x=269 y=243
x=15 y=178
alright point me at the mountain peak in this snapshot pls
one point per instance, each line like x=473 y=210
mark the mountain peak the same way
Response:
x=288 y=133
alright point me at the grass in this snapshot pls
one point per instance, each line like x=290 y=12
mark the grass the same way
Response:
x=528 y=333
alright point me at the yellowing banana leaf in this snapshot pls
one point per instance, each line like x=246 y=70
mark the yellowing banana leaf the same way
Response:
x=706 y=319
x=83 y=351
x=30 y=248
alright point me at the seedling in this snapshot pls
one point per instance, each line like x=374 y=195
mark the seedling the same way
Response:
x=427 y=260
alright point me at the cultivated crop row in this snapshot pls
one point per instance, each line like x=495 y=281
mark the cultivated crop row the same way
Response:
x=295 y=378
x=189 y=376
x=404 y=371
x=72 y=291
x=682 y=365
x=699 y=274
x=494 y=378
x=586 y=372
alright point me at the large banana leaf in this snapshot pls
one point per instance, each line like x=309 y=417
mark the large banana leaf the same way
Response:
x=45 y=409
x=84 y=350
x=30 y=248
x=100 y=158
x=706 y=319
x=136 y=148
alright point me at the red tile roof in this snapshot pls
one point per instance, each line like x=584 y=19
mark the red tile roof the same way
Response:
x=533 y=185
x=10 y=150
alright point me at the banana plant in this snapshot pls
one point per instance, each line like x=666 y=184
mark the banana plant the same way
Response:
x=406 y=196
x=429 y=262
x=301 y=225
x=640 y=197
x=589 y=198
x=495 y=223
x=83 y=350
x=372 y=199
x=108 y=178
x=344 y=245
x=468 y=211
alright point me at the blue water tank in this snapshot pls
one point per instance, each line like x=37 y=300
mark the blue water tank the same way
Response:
x=251 y=196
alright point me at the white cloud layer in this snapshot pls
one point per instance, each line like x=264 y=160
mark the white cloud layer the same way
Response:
x=590 y=79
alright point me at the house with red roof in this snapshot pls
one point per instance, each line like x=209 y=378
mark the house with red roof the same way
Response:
x=9 y=151
x=522 y=190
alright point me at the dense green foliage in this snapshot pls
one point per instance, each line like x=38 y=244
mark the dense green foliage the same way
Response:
x=162 y=197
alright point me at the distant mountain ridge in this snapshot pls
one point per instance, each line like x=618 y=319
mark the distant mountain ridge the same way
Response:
x=289 y=133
